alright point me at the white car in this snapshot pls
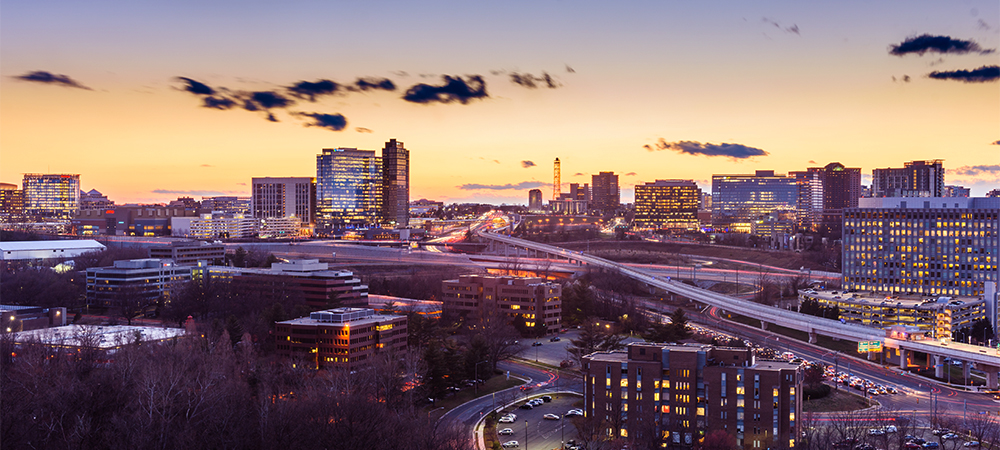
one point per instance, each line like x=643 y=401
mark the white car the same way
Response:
x=506 y=419
x=510 y=444
x=574 y=412
x=551 y=417
x=505 y=432
x=511 y=415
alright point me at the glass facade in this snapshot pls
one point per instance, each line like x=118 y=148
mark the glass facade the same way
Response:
x=667 y=204
x=396 y=184
x=51 y=195
x=739 y=199
x=348 y=188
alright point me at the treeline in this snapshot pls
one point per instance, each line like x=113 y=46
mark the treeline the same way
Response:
x=814 y=308
x=197 y=393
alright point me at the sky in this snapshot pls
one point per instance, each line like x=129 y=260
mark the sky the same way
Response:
x=149 y=101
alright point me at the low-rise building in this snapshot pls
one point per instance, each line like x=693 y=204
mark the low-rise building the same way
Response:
x=215 y=226
x=47 y=250
x=15 y=318
x=141 y=280
x=385 y=304
x=343 y=338
x=532 y=298
x=318 y=285
x=676 y=393
x=188 y=253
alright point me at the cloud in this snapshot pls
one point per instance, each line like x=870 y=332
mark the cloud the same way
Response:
x=813 y=162
x=194 y=192
x=630 y=174
x=935 y=44
x=531 y=81
x=41 y=76
x=972 y=171
x=981 y=75
x=570 y=69
x=734 y=151
x=453 y=89
x=995 y=143
x=312 y=89
x=792 y=29
x=370 y=83
x=983 y=25
x=363 y=130
x=196 y=87
x=266 y=100
x=335 y=122
x=207 y=165
x=579 y=174
x=503 y=187
x=527 y=164
x=496 y=161
x=217 y=102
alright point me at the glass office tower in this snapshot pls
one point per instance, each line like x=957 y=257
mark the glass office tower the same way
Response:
x=739 y=199
x=348 y=188
x=53 y=196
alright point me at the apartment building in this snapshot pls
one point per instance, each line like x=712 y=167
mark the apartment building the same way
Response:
x=342 y=338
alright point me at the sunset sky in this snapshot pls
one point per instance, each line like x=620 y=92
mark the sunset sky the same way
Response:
x=119 y=91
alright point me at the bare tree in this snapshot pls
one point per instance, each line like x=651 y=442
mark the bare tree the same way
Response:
x=985 y=429
x=499 y=336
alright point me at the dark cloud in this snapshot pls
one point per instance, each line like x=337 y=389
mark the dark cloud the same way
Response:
x=527 y=164
x=903 y=79
x=996 y=143
x=503 y=187
x=734 y=151
x=218 y=102
x=531 y=81
x=453 y=89
x=973 y=171
x=268 y=100
x=630 y=174
x=335 y=122
x=363 y=130
x=41 y=76
x=312 y=89
x=983 y=74
x=792 y=29
x=400 y=73
x=271 y=118
x=196 y=87
x=369 y=83
x=935 y=44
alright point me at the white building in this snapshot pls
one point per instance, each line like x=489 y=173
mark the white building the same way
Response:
x=215 y=226
x=150 y=279
x=41 y=250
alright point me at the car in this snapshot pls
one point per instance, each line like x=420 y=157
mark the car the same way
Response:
x=876 y=432
x=911 y=445
x=506 y=419
x=551 y=417
x=528 y=406
x=971 y=444
x=574 y=413
x=506 y=432
x=546 y=398
x=930 y=445
x=536 y=344
x=909 y=438
x=891 y=429
x=555 y=339
x=950 y=436
x=940 y=432
x=510 y=444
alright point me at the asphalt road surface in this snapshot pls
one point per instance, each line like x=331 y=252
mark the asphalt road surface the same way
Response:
x=532 y=431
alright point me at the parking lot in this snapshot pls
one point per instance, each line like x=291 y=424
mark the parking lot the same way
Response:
x=541 y=433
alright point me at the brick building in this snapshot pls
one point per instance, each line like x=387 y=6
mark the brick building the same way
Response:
x=344 y=338
x=531 y=297
x=678 y=393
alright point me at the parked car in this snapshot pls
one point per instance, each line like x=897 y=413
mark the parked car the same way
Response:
x=546 y=398
x=505 y=432
x=528 y=406
x=555 y=339
x=891 y=429
x=940 y=432
x=574 y=413
x=950 y=436
x=876 y=432
x=551 y=417
x=506 y=419
x=510 y=444
x=971 y=444
x=931 y=445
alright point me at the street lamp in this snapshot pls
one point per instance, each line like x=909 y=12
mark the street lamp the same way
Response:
x=476 y=381
x=525 y=434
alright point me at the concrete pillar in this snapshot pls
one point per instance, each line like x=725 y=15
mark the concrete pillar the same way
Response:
x=903 y=355
x=812 y=337
x=991 y=377
x=763 y=325
x=938 y=366
x=965 y=370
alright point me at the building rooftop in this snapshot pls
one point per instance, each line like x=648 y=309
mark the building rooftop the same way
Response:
x=342 y=316
x=934 y=302
x=103 y=337
x=9 y=246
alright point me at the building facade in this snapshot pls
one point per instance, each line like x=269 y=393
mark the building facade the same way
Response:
x=341 y=338
x=314 y=281
x=667 y=204
x=535 y=200
x=956 y=191
x=824 y=193
x=284 y=197
x=11 y=202
x=530 y=297
x=605 y=194
x=215 y=226
x=137 y=280
x=934 y=316
x=931 y=246
x=737 y=200
x=677 y=394
x=128 y=220
x=915 y=179
x=395 y=184
x=226 y=205
x=54 y=196
x=348 y=188
x=94 y=199
x=189 y=253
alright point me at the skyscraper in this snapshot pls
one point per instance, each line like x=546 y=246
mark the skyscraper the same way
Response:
x=284 y=197
x=535 y=200
x=824 y=193
x=395 y=184
x=915 y=179
x=348 y=188
x=54 y=196
x=605 y=194
x=667 y=204
x=737 y=200
x=556 y=179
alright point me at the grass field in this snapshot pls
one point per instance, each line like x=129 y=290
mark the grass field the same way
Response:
x=497 y=383
x=838 y=400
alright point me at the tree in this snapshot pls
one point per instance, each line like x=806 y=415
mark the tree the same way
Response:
x=593 y=337
x=499 y=336
x=719 y=440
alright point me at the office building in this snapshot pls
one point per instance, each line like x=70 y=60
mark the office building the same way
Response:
x=385 y=304
x=534 y=299
x=395 y=184
x=737 y=200
x=929 y=246
x=11 y=202
x=535 y=200
x=776 y=230
x=676 y=394
x=667 y=204
x=915 y=179
x=282 y=228
x=424 y=206
x=38 y=251
x=341 y=338
x=577 y=192
x=55 y=196
x=567 y=205
x=128 y=220
x=273 y=198
x=94 y=199
x=138 y=280
x=314 y=281
x=215 y=226
x=956 y=191
x=17 y=318
x=604 y=193
x=823 y=194
x=225 y=205
x=348 y=188
x=190 y=252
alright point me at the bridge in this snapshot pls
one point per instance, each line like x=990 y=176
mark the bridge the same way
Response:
x=986 y=359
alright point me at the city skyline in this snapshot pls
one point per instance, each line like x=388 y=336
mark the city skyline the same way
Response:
x=118 y=92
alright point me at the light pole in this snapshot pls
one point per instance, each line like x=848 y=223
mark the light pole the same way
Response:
x=562 y=432
x=476 y=381
x=525 y=434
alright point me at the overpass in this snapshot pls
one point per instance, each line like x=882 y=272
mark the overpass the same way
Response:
x=985 y=358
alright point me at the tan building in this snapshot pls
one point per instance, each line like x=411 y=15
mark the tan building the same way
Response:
x=344 y=338
x=671 y=204
x=676 y=394
x=531 y=297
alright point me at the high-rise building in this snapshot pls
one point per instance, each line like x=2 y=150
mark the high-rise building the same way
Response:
x=823 y=193
x=274 y=198
x=605 y=194
x=738 y=200
x=348 y=188
x=672 y=395
x=556 y=179
x=915 y=179
x=11 y=202
x=395 y=184
x=535 y=200
x=54 y=196
x=536 y=300
x=342 y=338
x=932 y=246
x=956 y=191
x=667 y=204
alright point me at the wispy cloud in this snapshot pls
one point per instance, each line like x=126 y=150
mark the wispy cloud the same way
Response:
x=926 y=43
x=532 y=81
x=503 y=187
x=983 y=74
x=527 y=164
x=207 y=165
x=335 y=122
x=194 y=192
x=794 y=29
x=630 y=174
x=41 y=76
x=363 y=130
x=734 y=151
x=975 y=171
